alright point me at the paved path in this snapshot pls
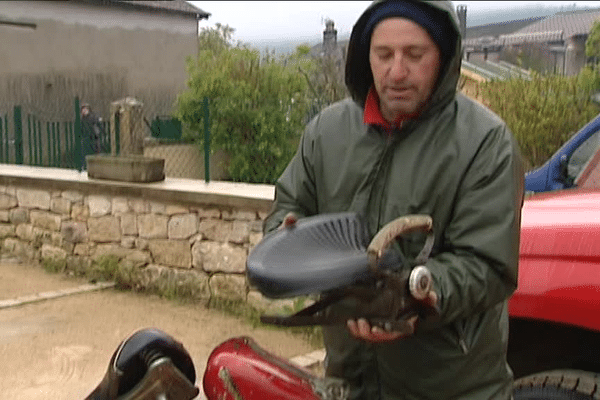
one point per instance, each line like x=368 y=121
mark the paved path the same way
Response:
x=57 y=334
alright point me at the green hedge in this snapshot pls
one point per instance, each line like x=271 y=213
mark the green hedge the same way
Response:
x=543 y=113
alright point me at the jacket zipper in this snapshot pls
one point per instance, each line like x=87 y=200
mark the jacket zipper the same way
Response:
x=385 y=163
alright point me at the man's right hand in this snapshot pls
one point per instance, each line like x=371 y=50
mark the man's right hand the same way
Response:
x=289 y=220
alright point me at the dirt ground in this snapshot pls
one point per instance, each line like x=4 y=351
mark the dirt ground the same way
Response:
x=60 y=348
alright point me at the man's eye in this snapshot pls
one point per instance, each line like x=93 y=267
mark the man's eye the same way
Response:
x=415 y=55
x=385 y=55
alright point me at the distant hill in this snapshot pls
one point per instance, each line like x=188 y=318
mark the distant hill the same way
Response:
x=527 y=14
x=287 y=46
x=518 y=13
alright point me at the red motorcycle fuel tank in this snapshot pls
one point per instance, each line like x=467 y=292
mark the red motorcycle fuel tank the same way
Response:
x=240 y=369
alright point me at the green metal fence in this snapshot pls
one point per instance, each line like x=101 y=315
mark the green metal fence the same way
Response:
x=30 y=138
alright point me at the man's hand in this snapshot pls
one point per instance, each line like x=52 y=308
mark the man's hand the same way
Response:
x=361 y=329
x=289 y=220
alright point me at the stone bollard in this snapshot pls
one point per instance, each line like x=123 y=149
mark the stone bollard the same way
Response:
x=131 y=127
x=129 y=163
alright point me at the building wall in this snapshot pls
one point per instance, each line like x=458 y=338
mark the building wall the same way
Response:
x=144 y=50
x=575 y=55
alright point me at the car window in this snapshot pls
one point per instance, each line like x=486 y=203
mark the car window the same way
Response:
x=582 y=154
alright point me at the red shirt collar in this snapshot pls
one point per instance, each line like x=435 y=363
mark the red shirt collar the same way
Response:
x=372 y=114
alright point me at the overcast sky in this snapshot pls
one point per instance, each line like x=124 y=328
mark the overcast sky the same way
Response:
x=259 y=21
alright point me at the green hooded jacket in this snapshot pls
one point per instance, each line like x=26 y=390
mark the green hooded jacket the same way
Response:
x=457 y=162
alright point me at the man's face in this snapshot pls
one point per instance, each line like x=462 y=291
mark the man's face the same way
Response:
x=405 y=63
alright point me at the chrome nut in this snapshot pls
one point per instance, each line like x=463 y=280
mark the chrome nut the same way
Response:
x=420 y=282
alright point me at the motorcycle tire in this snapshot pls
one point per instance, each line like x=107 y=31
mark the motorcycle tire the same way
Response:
x=558 y=385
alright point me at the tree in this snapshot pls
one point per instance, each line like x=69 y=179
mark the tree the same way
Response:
x=592 y=44
x=258 y=105
x=324 y=76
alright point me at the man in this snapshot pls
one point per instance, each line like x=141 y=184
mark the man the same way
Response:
x=91 y=127
x=407 y=143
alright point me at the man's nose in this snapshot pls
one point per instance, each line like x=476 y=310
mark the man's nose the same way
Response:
x=398 y=69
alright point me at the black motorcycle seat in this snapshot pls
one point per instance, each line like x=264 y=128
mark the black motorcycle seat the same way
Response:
x=316 y=254
x=131 y=358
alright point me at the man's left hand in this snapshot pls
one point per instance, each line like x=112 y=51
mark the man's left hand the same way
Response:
x=361 y=329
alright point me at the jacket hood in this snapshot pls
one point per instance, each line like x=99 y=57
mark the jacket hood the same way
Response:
x=359 y=78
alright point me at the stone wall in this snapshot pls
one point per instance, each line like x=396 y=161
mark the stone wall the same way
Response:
x=179 y=236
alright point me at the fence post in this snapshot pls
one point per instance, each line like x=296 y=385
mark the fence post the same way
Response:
x=18 y=123
x=206 y=142
x=79 y=160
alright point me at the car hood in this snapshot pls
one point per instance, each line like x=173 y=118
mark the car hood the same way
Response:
x=564 y=224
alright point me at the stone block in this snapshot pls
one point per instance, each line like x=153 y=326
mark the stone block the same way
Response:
x=255 y=239
x=173 y=209
x=120 y=205
x=215 y=229
x=157 y=208
x=74 y=231
x=141 y=244
x=228 y=286
x=152 y=226
x=174 y=282
x=45 y=220
x=18 y=216
x=242 y=215
x=99 y=205
x=33 y=198
x=138 y=257
x=171 y=252
x=52 y=252
x=139 y=206
x=25 y=232
x=44 y=236
x=240 y=232
x=4 y=216
x=256 y=226
x=212 y=213
x=19 y=248
x=182 y=226
x=104 y=229
x=129 y=224
x=72 y=195
x=80 y=212
x=218 y=257
x=81 y=249
x=7 y=230
x=7 y=201
x=60 y=205
x=128 y=242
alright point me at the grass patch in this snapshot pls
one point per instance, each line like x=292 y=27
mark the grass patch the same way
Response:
x=183 y=291
x=54 y=266
x=240 y=309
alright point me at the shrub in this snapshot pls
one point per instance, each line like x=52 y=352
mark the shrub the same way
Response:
x=257 y=105
x=542 y=113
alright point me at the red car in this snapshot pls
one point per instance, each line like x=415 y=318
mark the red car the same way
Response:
x=554 y=345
